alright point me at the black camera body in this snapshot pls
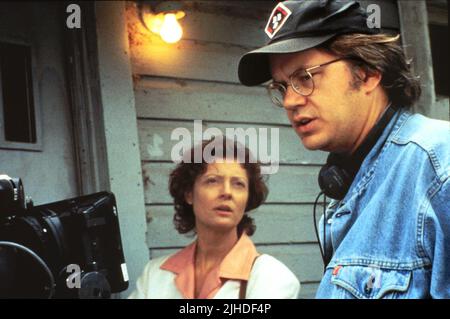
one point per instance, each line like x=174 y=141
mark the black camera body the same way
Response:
x=78 y=239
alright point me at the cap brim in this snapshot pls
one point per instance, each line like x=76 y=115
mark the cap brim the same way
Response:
x=254 y=66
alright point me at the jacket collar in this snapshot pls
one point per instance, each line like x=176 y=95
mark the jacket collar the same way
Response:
x=368 y=165
x=236 y=265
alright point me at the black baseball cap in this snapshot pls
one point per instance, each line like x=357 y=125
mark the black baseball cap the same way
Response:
x=296 y=26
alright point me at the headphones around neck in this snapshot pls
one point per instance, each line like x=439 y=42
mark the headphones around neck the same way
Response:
x=337 y=175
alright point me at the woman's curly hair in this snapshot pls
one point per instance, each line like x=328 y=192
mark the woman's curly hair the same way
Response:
x=379 y=53
x=183 y=177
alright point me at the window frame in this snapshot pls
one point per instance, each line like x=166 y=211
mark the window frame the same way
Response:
x=437 y=16
x=9 y=145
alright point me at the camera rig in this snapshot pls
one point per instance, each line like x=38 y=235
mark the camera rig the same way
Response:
x=66 y=249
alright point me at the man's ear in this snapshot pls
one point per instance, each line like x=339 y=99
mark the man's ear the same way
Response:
x=188 y=197
x=371 y=81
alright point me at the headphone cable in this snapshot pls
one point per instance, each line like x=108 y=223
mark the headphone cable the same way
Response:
x=322 y=248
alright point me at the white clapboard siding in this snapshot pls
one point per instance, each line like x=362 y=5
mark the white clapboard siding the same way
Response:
x=293 y=224
x=227 y=31
x=308 y=290
x=303 y=259
x=156 y=143
x=159 y=98
x=187 y=59
x=291 y=184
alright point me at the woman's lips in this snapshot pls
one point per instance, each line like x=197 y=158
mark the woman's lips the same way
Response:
x=223 y=210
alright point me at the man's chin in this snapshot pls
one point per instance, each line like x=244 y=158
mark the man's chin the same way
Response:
x=312 y=144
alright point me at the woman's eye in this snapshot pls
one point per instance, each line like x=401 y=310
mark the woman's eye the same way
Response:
x=211 y=180
x=240 y=184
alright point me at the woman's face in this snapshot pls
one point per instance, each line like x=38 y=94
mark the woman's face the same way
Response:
x=219 y=196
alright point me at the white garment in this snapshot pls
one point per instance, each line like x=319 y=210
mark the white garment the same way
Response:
x=269 y=279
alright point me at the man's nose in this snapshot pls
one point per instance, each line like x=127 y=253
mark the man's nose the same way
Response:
x=292 y=99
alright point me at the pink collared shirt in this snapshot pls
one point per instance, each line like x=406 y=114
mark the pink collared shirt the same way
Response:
x=236 y=265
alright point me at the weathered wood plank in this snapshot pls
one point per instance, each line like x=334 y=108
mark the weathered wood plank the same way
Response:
x=291 y=184
x=155 y=141
x=274 y=224
x=192 y=100
x=250 y=10
x=187 y=59
x=308 y=290
x=218 y=27
x=303 y=260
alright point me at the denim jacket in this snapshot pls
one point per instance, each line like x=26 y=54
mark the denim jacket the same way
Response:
x=390 y=236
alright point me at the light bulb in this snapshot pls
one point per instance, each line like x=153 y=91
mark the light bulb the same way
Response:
x=154 y=22
x=171 y=30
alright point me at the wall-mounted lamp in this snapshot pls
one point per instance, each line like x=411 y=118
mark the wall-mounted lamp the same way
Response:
x=162 y=18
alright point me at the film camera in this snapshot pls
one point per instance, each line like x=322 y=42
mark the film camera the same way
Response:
x=66 y=249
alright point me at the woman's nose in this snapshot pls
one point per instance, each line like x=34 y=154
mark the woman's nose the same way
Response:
x=226 y=189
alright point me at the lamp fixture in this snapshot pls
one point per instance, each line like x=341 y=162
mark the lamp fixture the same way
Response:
x=163 y=19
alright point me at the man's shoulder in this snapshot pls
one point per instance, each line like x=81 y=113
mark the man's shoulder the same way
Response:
x=423 y=131
x=430 y=137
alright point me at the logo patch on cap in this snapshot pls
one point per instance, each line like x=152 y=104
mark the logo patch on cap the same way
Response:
x=278 y=17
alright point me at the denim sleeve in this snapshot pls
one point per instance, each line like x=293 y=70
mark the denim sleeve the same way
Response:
x=437 y=241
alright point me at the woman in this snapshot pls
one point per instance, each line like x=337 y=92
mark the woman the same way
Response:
x=213 y=198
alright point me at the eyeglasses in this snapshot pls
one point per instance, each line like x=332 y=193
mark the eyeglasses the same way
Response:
x=301 y=81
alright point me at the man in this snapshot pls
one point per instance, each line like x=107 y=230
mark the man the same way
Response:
x=346 y=89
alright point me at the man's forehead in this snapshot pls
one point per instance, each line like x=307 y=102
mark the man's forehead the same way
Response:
x=287 y=61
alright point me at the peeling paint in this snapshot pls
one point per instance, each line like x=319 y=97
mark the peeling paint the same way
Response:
x=148 y=216
x=154 y=149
